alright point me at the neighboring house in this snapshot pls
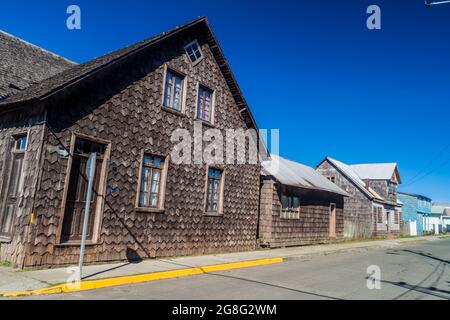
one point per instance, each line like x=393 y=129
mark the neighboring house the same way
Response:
x=444 y=208
x=298 y=206
x=415 y=208
x=439 y=219
x=123 y=107
x=23 y=64
x=372 y=210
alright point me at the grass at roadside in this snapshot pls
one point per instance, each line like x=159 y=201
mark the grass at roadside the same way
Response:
x=5 y=264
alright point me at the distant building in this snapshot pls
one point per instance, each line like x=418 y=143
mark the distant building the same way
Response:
x=372 y=210
x=440 y=217
x=298 y=206
x=415 y=208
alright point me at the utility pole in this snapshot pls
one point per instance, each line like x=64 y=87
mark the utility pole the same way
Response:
x=90 y=173
x=430 y=4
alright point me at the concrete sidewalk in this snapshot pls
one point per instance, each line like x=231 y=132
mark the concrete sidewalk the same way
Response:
x=16 y=280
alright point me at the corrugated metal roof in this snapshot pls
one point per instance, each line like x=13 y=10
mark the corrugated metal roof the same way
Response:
x=299 y=175
x=352 y=175
x=375 y=171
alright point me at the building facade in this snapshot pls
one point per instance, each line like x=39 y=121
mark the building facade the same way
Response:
x=415 y=209
x=372 y=209
x=298 y=206
x=144 y=205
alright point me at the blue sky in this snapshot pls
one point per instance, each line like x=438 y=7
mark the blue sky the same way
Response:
x=310 y=68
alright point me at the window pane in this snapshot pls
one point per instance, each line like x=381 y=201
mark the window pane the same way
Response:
x=284 y=202
x=178 y=94
x=204 y=103
x=194 y=52
x=168 y=92
x=296 y=203
x=150 y=181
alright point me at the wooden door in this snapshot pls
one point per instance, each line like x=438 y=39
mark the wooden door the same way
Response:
x=76 y=198
x=14 y=183
x=332 y=220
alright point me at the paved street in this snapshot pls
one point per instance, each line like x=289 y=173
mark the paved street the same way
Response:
x=409 y=271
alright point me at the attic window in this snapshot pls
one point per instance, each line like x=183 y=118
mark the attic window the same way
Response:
x=194 y=52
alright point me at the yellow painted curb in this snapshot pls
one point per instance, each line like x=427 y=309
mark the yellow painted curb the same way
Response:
x=110 y=282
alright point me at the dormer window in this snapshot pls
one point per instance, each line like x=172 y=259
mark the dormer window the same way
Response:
x=194 y=52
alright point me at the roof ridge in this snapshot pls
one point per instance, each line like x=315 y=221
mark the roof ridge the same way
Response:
x=38 y=47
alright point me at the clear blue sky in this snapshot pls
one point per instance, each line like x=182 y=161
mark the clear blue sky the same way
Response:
x=310 y=68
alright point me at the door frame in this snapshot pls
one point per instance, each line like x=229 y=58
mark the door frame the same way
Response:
x=330 y=215
x=101 y=188
x=7 y=173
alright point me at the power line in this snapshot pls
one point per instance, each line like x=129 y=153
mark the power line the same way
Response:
x=428 y=164
x=428 y=173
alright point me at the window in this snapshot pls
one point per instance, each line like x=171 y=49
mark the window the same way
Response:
x=214 y=190
x=13 y=184
x=173 y=90
x=396 y=217
x=204 y=103
x=380 y=215
x=290 y=206
x=150 y=189
x=194 y=52
x=332 y=179
x=20 y=143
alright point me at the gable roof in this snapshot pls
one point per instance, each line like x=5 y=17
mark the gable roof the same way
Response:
x=78 y=73
x=376 y=171
x=441 y=208
x=23 y=64
x=351 y=174
x=295 y=174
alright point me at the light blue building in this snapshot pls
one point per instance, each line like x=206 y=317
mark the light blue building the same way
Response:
x=414 y=212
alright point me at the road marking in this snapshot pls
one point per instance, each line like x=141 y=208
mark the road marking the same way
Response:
x=111 y=282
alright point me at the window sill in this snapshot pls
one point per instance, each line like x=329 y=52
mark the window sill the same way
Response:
x=173 y=111
x=75 y=243
x=206 y=123
x=213 y=214
x=4 y=239
x=149 y=210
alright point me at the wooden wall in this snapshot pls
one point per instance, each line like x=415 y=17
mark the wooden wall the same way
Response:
x=358 y=221
x=13 y=248
x=123 y=106
x=311 y=228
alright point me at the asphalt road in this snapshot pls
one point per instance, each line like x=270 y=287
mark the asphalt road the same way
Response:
x=414 y=271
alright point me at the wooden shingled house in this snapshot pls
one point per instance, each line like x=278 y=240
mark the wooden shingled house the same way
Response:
x=372 y=210
x=123 y=107
x=298 y=206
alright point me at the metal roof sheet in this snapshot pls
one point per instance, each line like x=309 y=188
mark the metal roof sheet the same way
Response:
x=353 y=176
x=375 y=171
x=299 y=175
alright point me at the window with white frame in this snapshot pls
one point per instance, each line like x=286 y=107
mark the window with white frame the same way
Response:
x=173 y=90
x=204 y=103
x=194 y=52
x=151 y=181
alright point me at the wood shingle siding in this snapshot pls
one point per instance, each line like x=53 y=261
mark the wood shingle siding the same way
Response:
x=313 y=224
x=125 y=113
x=360 y=219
